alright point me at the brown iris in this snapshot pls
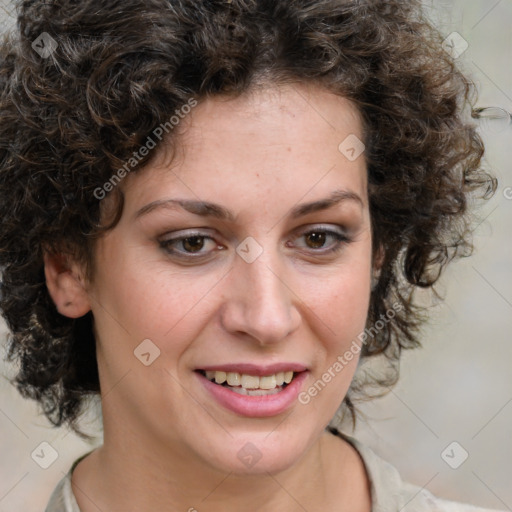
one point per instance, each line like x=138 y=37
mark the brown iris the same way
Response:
x=193 y=243
x=318 y=239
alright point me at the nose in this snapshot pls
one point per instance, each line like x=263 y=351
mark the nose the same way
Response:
x=259 y=302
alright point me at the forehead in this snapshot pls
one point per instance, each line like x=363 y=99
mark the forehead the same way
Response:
x=266 y=146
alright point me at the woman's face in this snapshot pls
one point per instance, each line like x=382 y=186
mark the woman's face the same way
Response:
x=249 y=255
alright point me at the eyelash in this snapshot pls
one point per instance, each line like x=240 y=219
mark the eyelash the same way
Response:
x=341 y=241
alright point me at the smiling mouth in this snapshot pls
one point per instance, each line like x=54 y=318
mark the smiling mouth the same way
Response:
x=251 y=385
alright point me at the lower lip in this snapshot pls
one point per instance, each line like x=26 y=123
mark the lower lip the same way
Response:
x=255 y=406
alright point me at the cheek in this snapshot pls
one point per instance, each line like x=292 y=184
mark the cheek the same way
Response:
x=340 y=308
x=341 y=302
x=146 y=299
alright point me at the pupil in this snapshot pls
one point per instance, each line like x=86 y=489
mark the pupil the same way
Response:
x=318 y=239
x=197 y=243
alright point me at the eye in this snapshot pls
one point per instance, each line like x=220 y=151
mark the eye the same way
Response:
x=193 y=245
x=318 y=239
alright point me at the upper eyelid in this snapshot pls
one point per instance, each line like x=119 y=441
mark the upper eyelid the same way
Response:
x=205 y=233
x=323 y=227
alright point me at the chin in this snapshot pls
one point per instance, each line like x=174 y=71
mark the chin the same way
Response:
x=257 y=454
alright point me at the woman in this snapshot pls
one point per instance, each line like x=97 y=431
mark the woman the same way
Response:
x=213 y=212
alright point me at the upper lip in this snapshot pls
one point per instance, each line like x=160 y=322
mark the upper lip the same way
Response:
x=256 y=370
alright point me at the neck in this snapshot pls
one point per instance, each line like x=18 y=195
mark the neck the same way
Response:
x=127 y=474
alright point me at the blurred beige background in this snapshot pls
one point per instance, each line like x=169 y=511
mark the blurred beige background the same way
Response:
x=458 y=388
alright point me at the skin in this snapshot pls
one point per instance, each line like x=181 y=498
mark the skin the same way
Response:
x=167 y=444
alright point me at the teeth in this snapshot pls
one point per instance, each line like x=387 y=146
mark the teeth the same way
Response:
x=220 y=377
x=267 y=382
x=250 y=382
x=255 y=392
x=234 y=379
x=254 y=383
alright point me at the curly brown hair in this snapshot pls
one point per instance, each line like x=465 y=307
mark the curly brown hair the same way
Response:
x=122 y=67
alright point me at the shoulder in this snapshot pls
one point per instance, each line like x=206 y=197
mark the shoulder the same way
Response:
x=389 y=492
x=62 y=498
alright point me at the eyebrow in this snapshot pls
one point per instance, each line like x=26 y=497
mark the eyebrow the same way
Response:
x=208 y=209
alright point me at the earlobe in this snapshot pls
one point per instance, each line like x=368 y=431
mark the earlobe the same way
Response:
x=66 y=286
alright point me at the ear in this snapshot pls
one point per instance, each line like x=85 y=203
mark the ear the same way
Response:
x=66 y=285
x=378 y=261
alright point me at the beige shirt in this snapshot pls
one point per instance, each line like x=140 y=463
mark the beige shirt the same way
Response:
x=388 y=492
